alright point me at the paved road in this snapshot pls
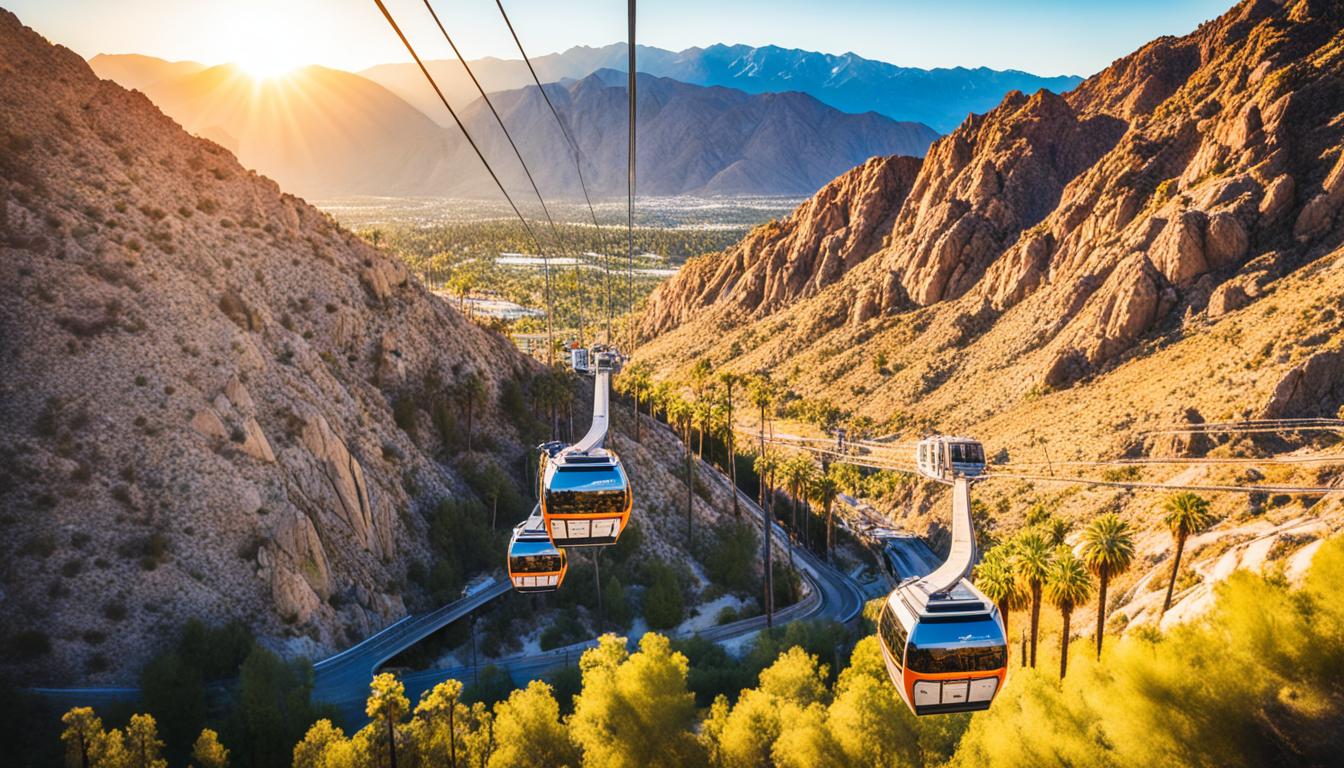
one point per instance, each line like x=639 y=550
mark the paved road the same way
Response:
x=343 y=680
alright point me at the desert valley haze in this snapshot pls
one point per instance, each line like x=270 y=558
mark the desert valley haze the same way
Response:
x=934 y=415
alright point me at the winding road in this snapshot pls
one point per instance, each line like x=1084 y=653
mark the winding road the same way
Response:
x=342 y=680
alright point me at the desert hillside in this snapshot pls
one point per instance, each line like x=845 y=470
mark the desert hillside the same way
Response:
x=1160 y=245
x=218 y=404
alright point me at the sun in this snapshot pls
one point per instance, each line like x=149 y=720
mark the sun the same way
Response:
x=267 y=63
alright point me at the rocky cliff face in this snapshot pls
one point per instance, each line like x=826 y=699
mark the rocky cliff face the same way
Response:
x=785 y=260
x=196 y=410
x=1182 y=180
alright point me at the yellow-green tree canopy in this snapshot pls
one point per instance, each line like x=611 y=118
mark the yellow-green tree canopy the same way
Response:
x=635 y=710
x=528 y=732
x=207 y=752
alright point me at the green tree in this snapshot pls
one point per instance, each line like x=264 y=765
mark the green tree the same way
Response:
x=825 y=488
x=386 y=707
x=849 y=478
x=867 y=719
x=730 y=380
x=635 y=709
x=1068 y=586
x=528 y=732
x=470 y=392
x=324 y=746
x=995 y=577
x=83 y=730
x=681 y=413
x=274 y=707
x=1186 y=513
x=1108 y=551
x=664 y=605
x=766 y=464
x=111 y=751
x=616 y=603
x=1031 y=562
x=172 y=691
x=478 y=738
x=439 y=718
x=143 y=743
x=207 y=752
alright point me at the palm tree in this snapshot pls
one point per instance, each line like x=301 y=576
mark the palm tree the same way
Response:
x=470 y=391
x=1055 y=530
x=1108 y=550
x=730 y=380
x=994 y=576
x=824 y=490
x=1068 y=586
x=1187 y=513
x=797 y=472
x=680 y=412
x=1031 y=562
x=765 y=465
x=762 y=394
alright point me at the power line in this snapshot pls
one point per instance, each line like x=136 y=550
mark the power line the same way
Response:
x=526 y=171
x=550 y=338
x=1311 y=489
x=630 y=175
x=578 y=160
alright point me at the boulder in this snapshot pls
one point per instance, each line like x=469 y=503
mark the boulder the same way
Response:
x=297 y=544
x=1180 y=444
x=295 y=601
x=1178 y=252
x=1313 y=388
x=1228 y=297
x=254 y=442
x=1226 y=242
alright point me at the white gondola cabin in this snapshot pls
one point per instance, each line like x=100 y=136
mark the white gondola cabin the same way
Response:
x=945 y=458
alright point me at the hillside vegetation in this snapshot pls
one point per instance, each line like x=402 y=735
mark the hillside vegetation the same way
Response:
x=1255 y=683
x=1158 y=247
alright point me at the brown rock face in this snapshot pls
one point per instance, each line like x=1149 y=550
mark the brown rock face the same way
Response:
x=1315 y=388
x=217 y=359
x=1093 y=219
x=995 y=176
x=780 y=262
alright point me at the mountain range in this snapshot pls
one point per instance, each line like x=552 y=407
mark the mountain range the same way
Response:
x=940 y=98
x=1075 y=279
x=324 y=132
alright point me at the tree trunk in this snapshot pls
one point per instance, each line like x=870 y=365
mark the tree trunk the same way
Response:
x=1035 y=619
x=732 y=473
x=830 y=532
x=597 y=577
x=452 y=734
x=1064 y=646
x=1175 y=568
x=392 y=742
x=767 y=515
x=1003 y=615
x=690 y=492
x=1105 y=578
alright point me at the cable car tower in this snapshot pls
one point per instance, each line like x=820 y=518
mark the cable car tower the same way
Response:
x=942 y=639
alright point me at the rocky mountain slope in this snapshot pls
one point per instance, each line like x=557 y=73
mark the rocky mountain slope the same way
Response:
x=323 y=132
x=940 y=98
x=217 y=404
x=1161 y=244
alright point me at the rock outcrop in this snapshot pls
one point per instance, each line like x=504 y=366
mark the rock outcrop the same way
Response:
x=1314 y=388
x=781 y=262
x=1092 y=220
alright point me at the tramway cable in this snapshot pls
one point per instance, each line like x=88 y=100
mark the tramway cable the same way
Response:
x=555 y=232
x=577 y=154
x=550 y=335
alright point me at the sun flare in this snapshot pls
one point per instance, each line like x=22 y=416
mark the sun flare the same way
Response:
x=267 y=64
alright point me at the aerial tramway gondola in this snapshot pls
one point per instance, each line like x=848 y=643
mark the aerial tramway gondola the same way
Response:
x=942 y=640
x=535 y=564
x=585 y=493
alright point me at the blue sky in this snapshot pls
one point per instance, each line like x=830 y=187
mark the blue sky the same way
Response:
x=1043 y=36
